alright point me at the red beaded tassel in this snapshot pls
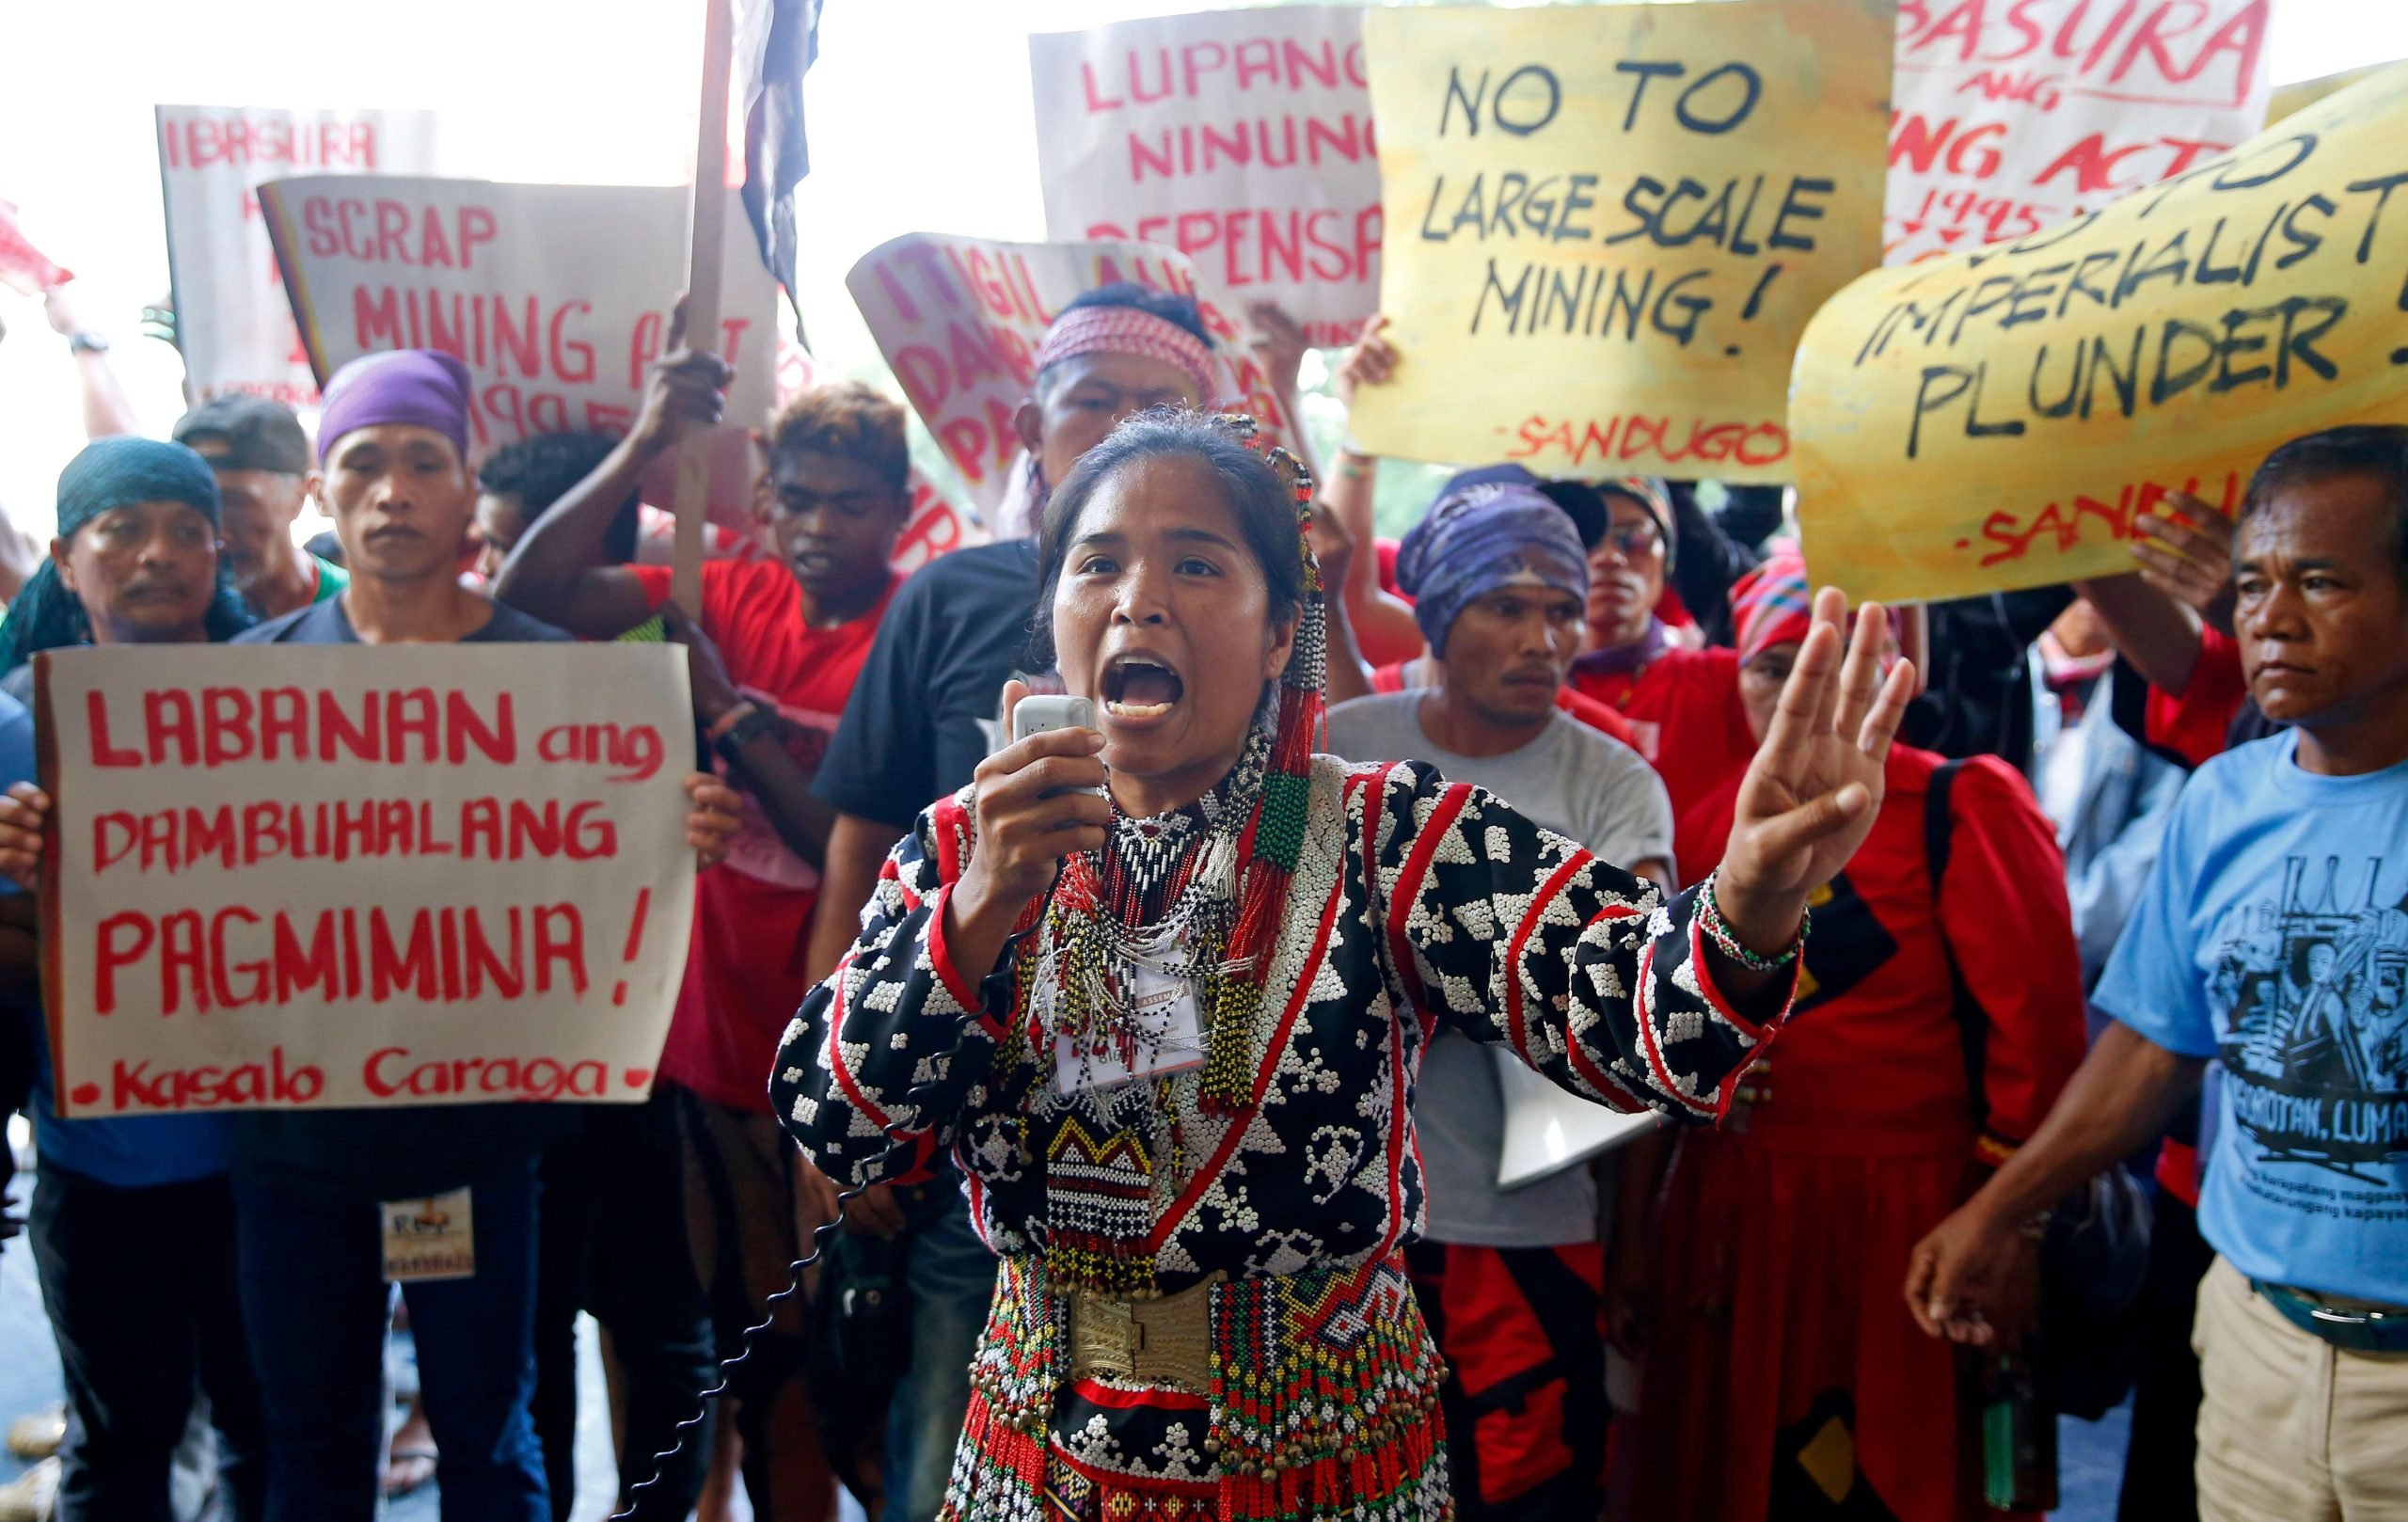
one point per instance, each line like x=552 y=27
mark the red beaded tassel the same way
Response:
x=1277 y=831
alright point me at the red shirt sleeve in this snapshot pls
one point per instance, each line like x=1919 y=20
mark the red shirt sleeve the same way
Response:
x=1594 y=714
x=729 y=588
x=2004 y=912
x=2193 y=722
x=655 y=582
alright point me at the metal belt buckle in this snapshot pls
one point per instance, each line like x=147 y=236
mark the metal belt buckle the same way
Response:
x=1104 y=1336
x=1167 y=1342
x=2336 y=1316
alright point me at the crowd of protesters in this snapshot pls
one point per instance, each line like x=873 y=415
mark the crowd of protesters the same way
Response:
x=2128 y=900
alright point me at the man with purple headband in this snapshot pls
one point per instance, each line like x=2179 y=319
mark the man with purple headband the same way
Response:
x=1512 y=1284
x=394 y=474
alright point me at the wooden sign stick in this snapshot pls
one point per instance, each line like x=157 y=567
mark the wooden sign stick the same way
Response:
x=709 y=239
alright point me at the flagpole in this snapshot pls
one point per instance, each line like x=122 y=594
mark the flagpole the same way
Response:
x=708 y=239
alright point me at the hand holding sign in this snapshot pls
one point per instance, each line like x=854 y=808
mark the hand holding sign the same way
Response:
x=1370 y=362
x=24 y=810
x=2185 y=551
x=684 y=392
x=714 y=820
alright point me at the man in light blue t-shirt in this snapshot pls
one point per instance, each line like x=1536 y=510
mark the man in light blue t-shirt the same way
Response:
x=2272 y=935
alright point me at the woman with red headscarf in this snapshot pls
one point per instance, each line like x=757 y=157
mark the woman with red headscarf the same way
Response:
x=1784 y=1375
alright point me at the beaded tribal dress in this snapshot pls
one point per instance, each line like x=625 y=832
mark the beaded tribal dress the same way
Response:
x=1268 y=1187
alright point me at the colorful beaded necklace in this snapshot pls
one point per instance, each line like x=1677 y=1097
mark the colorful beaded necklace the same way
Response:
x=1196 y=894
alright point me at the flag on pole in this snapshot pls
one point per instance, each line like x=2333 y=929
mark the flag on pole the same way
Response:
x=24 y=268
x=776 y=43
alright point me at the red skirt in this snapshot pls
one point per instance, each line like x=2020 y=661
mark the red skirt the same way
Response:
x=1785 y=1377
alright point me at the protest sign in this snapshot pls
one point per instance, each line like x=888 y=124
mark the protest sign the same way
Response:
x=1608 y=225
x=232 y=322
x=555 y=296
x=1999 y=419
x=2012 y=114
x=1242 y=138
x=2290 y=100
x=291 y=876
x=960 y=320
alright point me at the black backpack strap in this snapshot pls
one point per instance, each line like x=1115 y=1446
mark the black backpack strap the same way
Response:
x=1939 y=834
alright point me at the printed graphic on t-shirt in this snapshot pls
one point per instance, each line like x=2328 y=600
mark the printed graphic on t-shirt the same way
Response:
x=758 y=850
x=2315 y=978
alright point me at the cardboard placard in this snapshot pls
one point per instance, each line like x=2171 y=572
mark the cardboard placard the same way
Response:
x=1242 y=138
x=1606 y=226
x=232 y=322
x=1999 y=419
x=2014 y=114
x=330 y=875
x=556 y=298
x=961 y=320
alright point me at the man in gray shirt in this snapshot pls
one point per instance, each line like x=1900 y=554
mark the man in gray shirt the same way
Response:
x=1511 y=1282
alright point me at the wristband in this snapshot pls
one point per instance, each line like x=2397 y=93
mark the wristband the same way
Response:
x=725 y=723
x=744 y=732
x=1716 y=930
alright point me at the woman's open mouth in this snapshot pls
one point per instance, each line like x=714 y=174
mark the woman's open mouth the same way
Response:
x=1138 y=688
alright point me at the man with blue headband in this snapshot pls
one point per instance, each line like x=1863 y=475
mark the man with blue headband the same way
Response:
x=136 y=562
x=1511 y=1284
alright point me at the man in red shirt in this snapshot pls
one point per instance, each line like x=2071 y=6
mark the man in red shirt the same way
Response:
x=777 y=643
x=1682 y=705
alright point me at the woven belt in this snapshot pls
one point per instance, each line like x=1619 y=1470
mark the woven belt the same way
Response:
x=1167 y=1342
x=2356 y=1325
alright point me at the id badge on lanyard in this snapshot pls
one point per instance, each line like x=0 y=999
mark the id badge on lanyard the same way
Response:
x=1169 y=1036
x=429 y=1239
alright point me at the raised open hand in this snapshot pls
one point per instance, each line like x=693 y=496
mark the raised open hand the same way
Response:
x=1809 y=796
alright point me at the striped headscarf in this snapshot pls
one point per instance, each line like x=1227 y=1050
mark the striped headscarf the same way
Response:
x=1772 y=605
x=1105 y=330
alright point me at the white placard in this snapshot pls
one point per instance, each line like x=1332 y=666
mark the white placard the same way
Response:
x=961 y=320
x=330 y=875
x=232 y=321
x=2009 y=115
x=557 y=297
x=1242 y=138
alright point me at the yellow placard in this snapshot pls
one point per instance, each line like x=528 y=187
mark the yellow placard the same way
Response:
x=2290 y=100
x=1999 y=419
x=1607 y=225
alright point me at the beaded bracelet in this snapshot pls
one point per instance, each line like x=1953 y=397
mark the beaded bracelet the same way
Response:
x=1717 y=930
